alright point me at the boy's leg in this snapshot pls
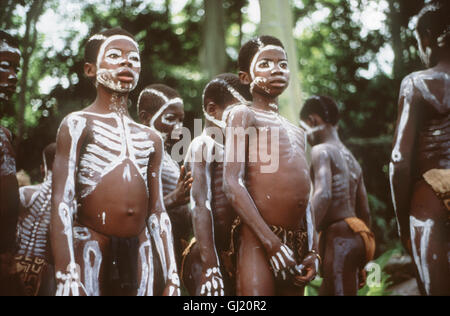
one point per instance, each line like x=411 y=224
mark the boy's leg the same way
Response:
x=430 y=240
x=253 y=276
x=192 y=271
x=92 y=257
x=344 y=254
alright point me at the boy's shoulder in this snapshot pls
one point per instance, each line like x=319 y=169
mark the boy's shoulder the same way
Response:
x=28 y=194
x=321 y=150
x=240 y=110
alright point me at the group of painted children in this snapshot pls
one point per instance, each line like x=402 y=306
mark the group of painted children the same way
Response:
x=249 y=212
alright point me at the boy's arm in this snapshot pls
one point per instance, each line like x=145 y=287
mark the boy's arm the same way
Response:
x=64 y=205
x=179 y=196
x=402 y=156
x=159 y=223
x=322 y=184
x=9 y=202
x=203 y=221
x=281 y=257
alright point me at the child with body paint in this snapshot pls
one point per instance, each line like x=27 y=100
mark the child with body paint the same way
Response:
x=275 y=255
x=107 y=203
x=161 y=108
x=420 y=161
x=9 y=193
x=339 y=202
x=32 y=259
x=208 y=268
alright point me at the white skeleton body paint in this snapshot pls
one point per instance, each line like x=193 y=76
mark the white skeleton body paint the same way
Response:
x=147 y=270
x=213 y=285
x=70 y=279
x=7 y=161
x=33 y=229
x=420 y=257
x=170 y=173
x=111 y=147
x=92 y=257
x=160 y=227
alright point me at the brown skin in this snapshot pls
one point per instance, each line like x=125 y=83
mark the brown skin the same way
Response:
x=175 y=201
x=47 y=282
x=339 y=193
x=8 y=73
x=126 y=203
x=288 y=187
x=211 y=239
x=422 y=151
x=9 y=189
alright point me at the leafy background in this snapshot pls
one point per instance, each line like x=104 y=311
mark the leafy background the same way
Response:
x=356 y=51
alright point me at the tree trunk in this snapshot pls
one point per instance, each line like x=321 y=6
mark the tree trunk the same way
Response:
x=28 y=46
x=277 y=20
x=213 y=54
x=397 y=46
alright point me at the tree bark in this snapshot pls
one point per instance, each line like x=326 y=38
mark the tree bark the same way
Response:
x=213 y=54
x=277 y=20
x=28 y=46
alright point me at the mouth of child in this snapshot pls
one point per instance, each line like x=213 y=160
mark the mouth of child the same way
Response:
x=278 y=82
x=125 y=76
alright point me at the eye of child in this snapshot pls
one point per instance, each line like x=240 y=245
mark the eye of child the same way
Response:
x=283 y=64
x=114 y=53
x=5 y=64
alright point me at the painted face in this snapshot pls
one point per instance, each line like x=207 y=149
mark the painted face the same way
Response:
x=311 y=131
x=269 y=71
x=170 y=122
x=118 y=64
x=424 y=53
x=9 y=68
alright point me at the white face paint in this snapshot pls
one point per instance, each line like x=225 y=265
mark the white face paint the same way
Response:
x=113 y=56
x=269 y=66
x=260 y=51
x=109 y=77
x=6 y=48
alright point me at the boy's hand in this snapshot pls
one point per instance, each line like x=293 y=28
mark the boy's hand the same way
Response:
x=172 y=286
x=282 y=261
x=181 y=193
x=306 y=271
x=212 y=283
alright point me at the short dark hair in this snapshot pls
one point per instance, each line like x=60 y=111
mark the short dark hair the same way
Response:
x=323 y=106
x=434 y=19
x=12 y=41
x=49 y=154
x=216 y=90
x=154 y=102
x=94 y=42
x=249 y=50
